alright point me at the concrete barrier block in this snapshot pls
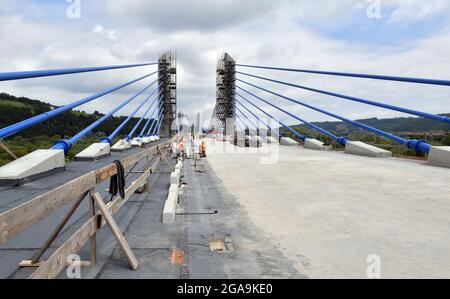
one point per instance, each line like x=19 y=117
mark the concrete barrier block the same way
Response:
x=94 y=152
x=288 y=141
x=175 y=177
x=439 y=156
x=169 y=212
x=35 y=164
x=315 y=144
x=271 y=140
x=364 y=149
x=136 y=142
x=121 y=145
x=175 y=188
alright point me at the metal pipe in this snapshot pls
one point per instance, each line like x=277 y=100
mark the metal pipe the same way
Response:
x=418 y=145
x=154 y=122
x=57 y=72
x=148 y=121
x=130 y=135
x=355 y=99
x=66 y=145
x=122 y=125
x=157 y=124
x=264 y=123
x=240 y=111
x=367 y=76
x=278 y=121
x=20 y=126
x=334 y=137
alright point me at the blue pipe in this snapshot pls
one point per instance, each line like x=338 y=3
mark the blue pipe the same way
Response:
x=154 y=122
x=418 y=145
x=20 y=126
x=66 y=145
x=281 y=123
x=377 y=77
x=238 y=118
x=119 y=128
x=341 y=140
x=364 y=101
x=47 y=73
x=239 y=126
x=149 y=119
x=264 y=123
x=130 y=135
x=243 y=114
x=159 y=123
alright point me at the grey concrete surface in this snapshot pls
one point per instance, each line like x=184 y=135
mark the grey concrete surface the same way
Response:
x=328 y=211
x=249 y=253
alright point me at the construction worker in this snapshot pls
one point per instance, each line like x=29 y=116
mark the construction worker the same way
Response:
x=181 y=148
x=203 y=150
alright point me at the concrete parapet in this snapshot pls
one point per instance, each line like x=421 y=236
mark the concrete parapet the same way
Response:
x=270 y=140
x=34 y=165
x=121 y=145
x=439 y=156
x=364 y=149
x=136 y=142
x=94 y=152
x=315 y=144
x=288 y=141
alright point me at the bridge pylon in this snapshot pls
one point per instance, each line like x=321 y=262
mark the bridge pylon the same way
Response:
x=167 y=68
x=226 y=93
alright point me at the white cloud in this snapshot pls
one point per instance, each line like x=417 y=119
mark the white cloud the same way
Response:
x=259 y=32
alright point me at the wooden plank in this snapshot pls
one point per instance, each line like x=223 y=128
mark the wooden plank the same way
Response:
x=93 y=239
x=55 y=263
x=116 y=232
x=10 y=152
x=29 y=264
x=16 y=220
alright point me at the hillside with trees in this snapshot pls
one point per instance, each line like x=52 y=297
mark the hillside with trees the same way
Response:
x=15 y=109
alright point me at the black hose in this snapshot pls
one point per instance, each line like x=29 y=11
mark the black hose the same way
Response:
x=117 y=182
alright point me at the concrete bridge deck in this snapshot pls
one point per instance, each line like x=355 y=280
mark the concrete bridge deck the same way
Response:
x=282 y=212
x=327 y=211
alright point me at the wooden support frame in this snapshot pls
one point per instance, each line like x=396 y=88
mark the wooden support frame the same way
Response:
x=57 y=261
x=20 y=218
x=116 y=232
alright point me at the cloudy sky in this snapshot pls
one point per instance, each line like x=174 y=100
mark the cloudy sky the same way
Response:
x=392 y=37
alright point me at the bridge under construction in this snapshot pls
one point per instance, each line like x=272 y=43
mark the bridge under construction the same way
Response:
x=267 y=201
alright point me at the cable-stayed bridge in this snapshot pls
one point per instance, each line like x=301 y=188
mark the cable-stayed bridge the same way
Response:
x=260 y=204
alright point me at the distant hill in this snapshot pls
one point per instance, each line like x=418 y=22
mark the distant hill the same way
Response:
x=14 y=109
x=400 y=126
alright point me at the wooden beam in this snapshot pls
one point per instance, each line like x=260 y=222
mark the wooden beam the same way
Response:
x=56 y=262
x=30 y=264
x=10 y=152
x=116 y=232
